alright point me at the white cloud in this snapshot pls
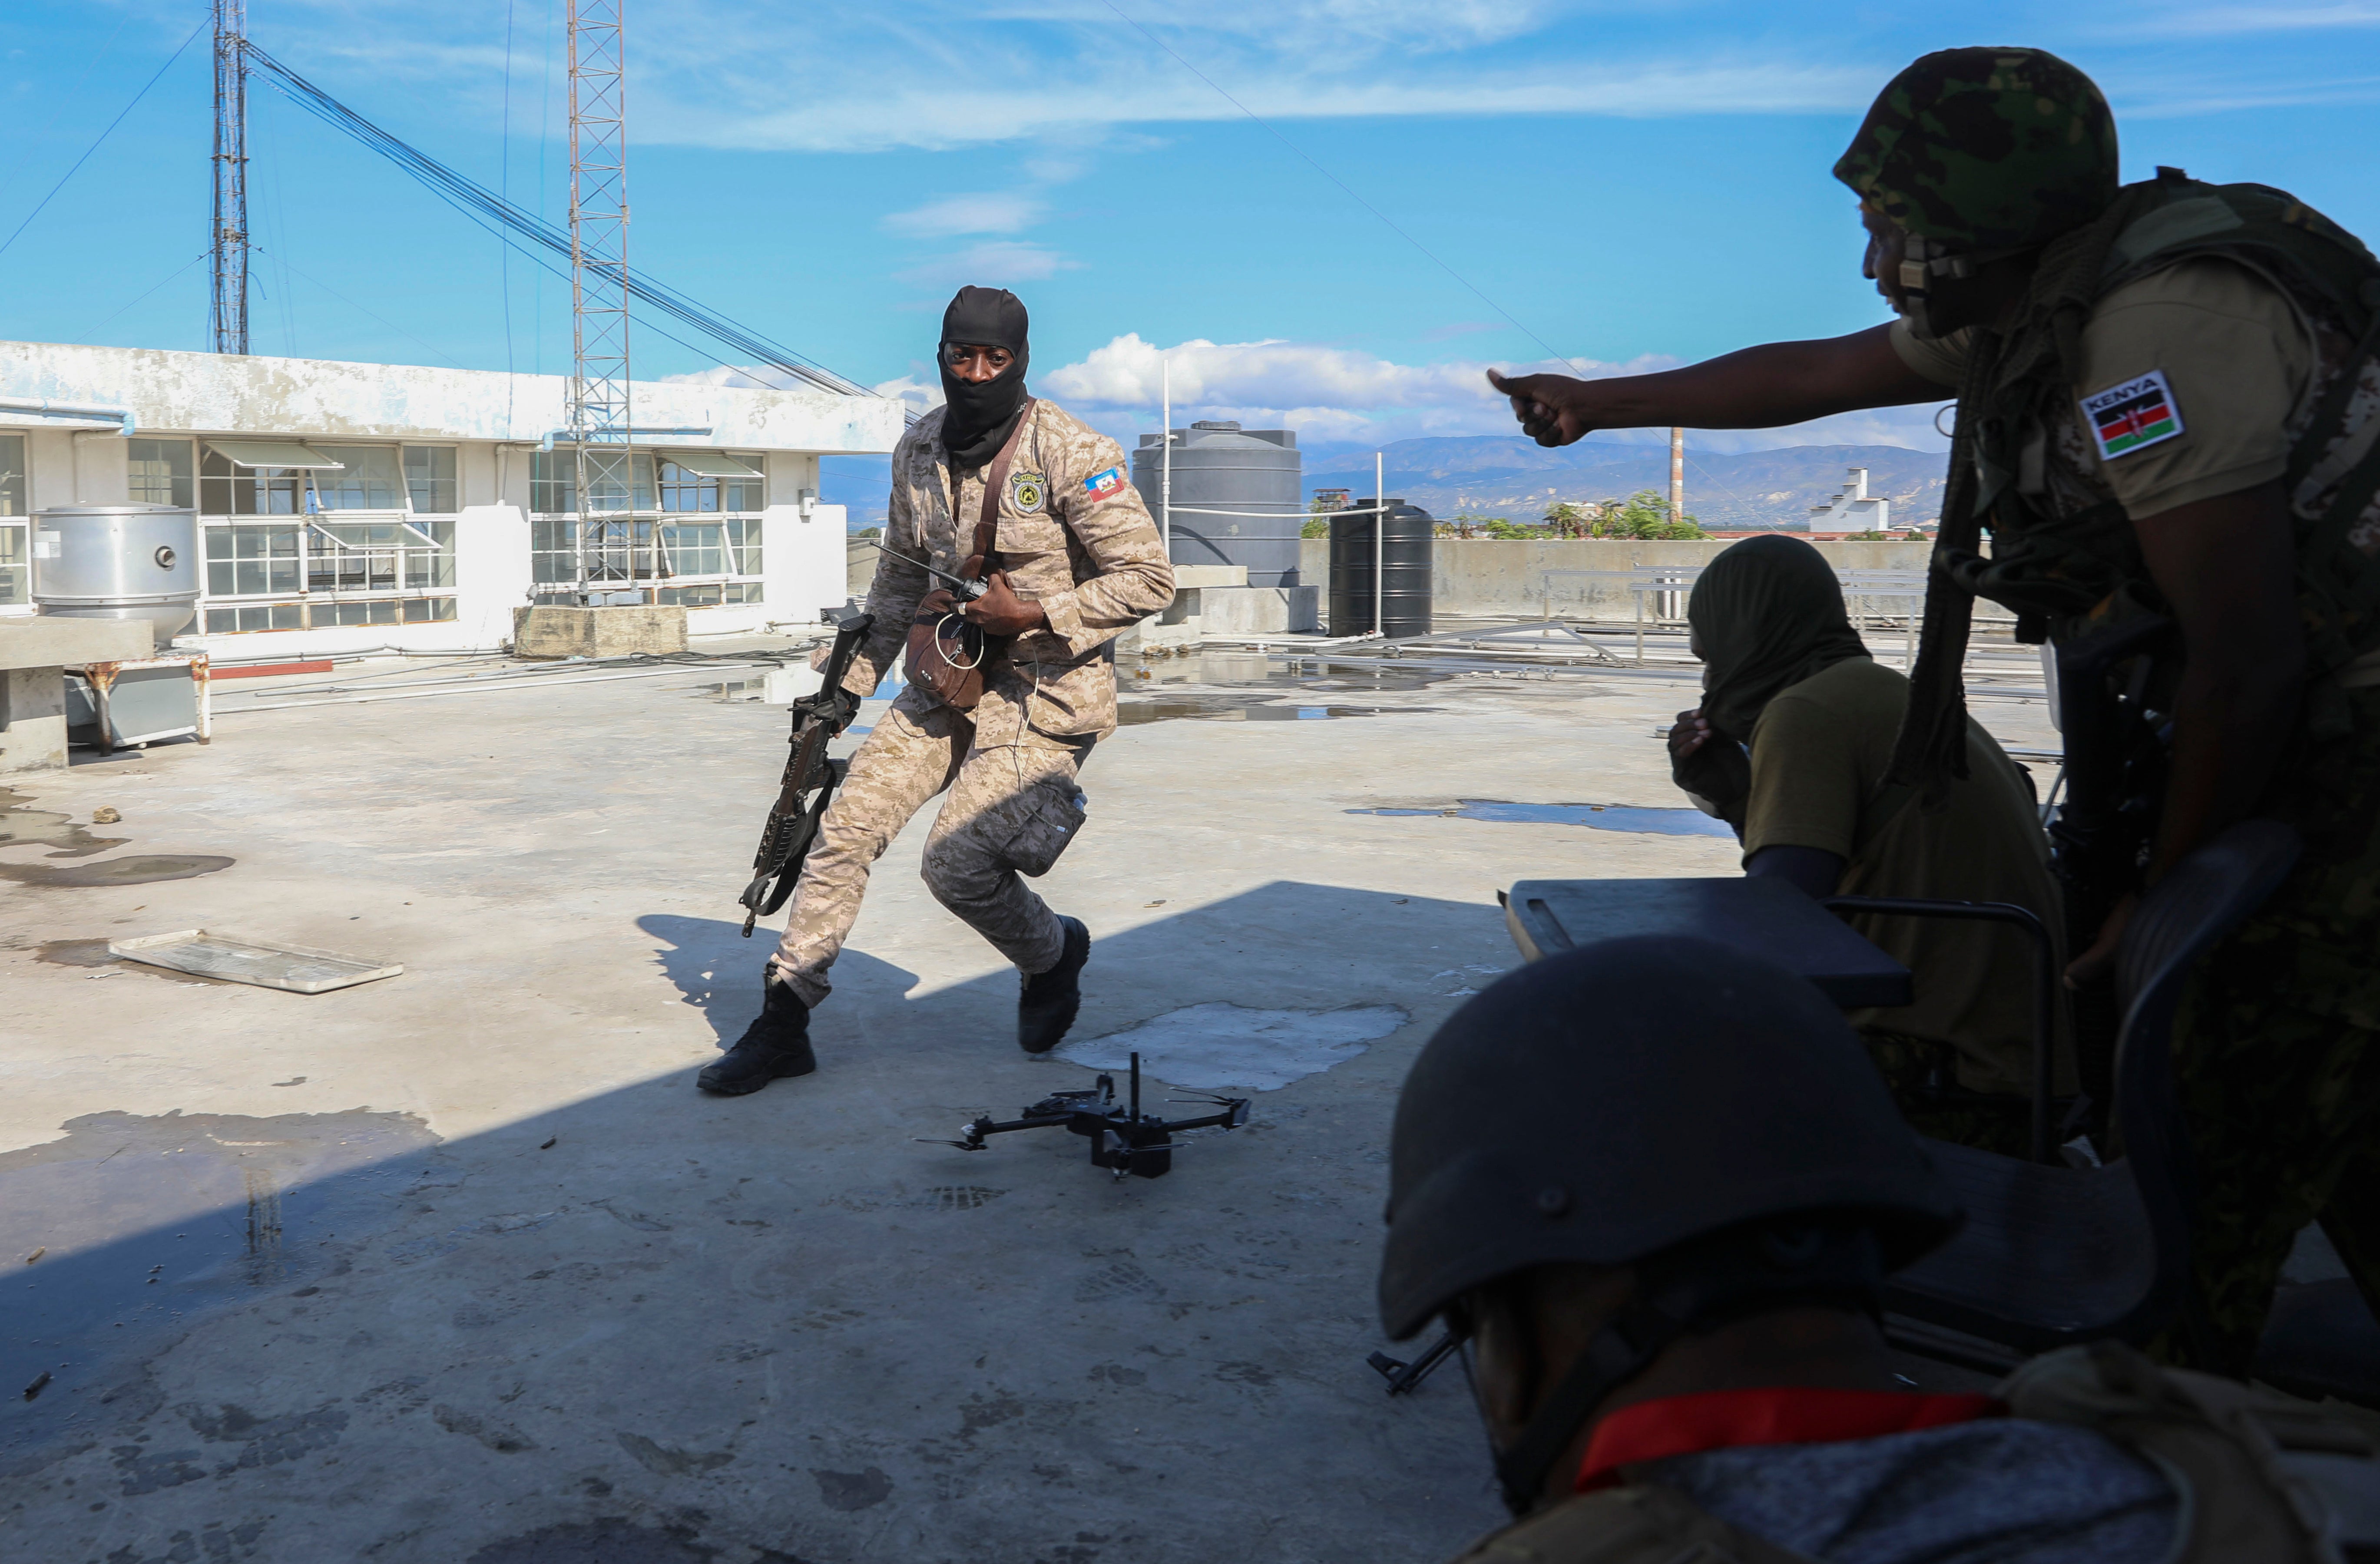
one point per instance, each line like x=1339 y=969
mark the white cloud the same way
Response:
x=2225 y=19
x=1329 y=392
x=988 y=211
x=995 y=263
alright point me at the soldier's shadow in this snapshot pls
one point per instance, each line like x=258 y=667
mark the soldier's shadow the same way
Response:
x=718 y=971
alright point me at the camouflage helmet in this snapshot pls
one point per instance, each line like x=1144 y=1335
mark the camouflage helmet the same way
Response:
x=1985 y=151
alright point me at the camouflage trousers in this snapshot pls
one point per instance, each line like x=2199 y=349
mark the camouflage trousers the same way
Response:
x=1012 y=810
x=2277 y=1047
x=1911 y=1066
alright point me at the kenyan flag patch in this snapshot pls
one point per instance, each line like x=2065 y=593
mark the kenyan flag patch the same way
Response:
x=2127 y=418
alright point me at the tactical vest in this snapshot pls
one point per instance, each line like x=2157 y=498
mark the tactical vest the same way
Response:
x=2064 y=556
x=2256 y=1475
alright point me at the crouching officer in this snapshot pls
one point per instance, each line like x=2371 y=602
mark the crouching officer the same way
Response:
x=1659 y=1187
x=1008 y=691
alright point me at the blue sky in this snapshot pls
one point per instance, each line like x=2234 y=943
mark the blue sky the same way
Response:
x=1617 y=184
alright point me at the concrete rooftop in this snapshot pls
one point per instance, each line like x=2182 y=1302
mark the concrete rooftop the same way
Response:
x=458 y=1265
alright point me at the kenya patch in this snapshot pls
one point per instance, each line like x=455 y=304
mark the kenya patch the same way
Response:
x=2133 y=416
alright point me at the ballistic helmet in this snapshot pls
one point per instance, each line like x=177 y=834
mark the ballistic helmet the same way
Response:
x=1634 y=1096
x=1984 y=151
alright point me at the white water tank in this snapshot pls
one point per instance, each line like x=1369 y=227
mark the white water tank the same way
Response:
x=118 y=562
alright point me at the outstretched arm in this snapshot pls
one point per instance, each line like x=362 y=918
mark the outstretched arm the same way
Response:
x=1764 y=387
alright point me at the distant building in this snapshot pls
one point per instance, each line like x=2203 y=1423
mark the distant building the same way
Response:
x=1330 y=499
x=349 y=506
x=1853 y=509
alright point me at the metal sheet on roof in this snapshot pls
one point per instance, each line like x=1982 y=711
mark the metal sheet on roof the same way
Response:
x=711 y=464
x=272 y=454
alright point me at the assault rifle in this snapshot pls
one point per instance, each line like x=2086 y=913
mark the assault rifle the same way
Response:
x=811 y=777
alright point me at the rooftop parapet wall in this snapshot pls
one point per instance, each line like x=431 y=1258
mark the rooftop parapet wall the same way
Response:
x=1496 y=577
x=222 y=393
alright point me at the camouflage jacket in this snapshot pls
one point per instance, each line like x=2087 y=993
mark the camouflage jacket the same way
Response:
x=1074 y=536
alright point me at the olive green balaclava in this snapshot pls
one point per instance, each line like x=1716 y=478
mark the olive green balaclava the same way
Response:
x=1768 y=613
x=1983 y=152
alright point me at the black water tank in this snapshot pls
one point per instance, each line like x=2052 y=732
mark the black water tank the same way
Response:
x=1403 y=546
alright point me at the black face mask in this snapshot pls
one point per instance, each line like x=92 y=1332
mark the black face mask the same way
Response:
x=980 y=415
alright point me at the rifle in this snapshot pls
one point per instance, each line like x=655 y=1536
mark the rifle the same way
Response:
x=794 y=818
x=963 y=588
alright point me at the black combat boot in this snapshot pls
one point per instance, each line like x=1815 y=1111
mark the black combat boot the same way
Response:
x=777 y=1043
x=1047 y=1006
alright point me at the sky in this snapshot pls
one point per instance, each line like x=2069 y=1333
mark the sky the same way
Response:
x=1328 y=215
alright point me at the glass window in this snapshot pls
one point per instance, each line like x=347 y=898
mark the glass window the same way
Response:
x=429 y=478
x=160 y=472
x=368 y=480
x=743 y=537
x=745 y=493
x=225 y=490
x=15 y=565
x=553 y=479
x=251 y=560
x=697 y=549
x=12 y=474
x=683 y=490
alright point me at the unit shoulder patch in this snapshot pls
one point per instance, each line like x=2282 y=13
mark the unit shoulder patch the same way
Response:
x=1029 y=492
x=2132 y=414
x=1104 y=485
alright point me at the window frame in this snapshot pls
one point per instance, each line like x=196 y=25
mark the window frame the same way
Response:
x=334 y=578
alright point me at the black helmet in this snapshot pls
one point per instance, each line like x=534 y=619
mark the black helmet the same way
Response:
x=1614 y=1101
x=1665 y=1102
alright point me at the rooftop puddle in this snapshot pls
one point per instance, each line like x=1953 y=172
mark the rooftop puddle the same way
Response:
x=1245 y=709
x=1213 y=1045
x=1594 y=817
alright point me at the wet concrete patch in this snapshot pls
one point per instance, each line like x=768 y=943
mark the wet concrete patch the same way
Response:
x=129 y=1229
x=1594 y=817
x=1265 y=707
x=1213 y=1045
x=23 y=827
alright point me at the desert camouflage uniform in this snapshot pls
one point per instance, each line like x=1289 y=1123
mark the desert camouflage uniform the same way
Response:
x=1073 y=536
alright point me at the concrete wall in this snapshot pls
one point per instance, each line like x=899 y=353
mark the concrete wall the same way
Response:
x=1492 y=577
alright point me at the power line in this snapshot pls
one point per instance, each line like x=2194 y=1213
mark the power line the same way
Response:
x=103 y=136
x=167 y=278
x=1342 y=184
x=351 y=304
x=485 y=206
x=72 y=96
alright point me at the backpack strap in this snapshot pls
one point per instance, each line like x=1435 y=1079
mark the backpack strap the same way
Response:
x=1638 y=1524
x=995 y=478
x=2262 y=1475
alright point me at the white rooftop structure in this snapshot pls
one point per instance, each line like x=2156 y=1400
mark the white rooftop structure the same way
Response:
x=351 y=506
x=1853 y=509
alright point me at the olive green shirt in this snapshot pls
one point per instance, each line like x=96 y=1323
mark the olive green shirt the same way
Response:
x=1819 y=753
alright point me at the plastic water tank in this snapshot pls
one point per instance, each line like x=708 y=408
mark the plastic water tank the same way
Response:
x=118 y=562
x=1402 y=540
x=1255 y=473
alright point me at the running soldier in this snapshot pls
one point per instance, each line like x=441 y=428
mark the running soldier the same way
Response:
x=1072 y=559
x=2168 y=406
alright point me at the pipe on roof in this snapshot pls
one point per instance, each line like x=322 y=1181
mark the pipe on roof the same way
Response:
x=45 y=408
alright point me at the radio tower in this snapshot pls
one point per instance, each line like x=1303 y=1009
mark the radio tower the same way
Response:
x=599 y=298
x=230 y=246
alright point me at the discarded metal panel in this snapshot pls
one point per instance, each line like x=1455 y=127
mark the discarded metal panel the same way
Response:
x=294 y=968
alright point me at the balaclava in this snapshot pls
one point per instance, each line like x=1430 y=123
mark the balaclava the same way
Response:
x=978 y=415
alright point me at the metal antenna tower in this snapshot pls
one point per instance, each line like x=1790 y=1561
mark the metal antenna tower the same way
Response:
x=599 y=298
x=230 y=313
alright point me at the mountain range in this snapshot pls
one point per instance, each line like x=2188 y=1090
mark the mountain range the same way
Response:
x=1514 y=478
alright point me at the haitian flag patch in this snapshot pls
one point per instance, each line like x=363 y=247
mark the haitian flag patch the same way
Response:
x=2138 y=413
x=1104 y=485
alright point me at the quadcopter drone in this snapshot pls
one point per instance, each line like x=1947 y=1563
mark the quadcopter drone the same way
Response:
x=1123 y=1139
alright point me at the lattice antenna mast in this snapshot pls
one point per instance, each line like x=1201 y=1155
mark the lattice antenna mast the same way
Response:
x=599 y=298
x=230 y=245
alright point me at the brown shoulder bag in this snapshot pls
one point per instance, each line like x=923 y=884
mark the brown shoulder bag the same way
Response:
x=947 y=654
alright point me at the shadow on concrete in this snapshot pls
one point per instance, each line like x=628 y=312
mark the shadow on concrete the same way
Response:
x=719 y=971
x=342 y=1236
